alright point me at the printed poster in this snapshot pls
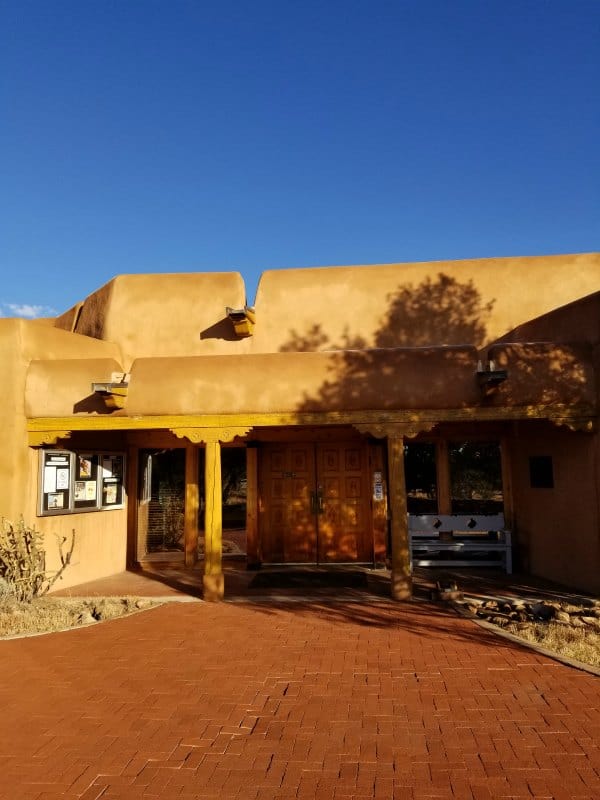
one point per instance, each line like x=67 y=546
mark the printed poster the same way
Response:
x=56 y=501
x=85 y=467
x=110 y=494
x=49 y=479
x=62 y=478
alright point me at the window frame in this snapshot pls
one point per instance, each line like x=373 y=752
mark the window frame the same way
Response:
x=57 y=494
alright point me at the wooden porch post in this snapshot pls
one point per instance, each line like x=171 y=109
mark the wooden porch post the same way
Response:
x=132 y=504
x=401 y=571
x=213 y=580
x=192 y=505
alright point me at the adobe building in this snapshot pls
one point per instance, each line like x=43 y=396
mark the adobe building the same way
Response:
x=345 y=398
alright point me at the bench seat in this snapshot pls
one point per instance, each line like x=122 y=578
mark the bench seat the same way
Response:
x=441 y=540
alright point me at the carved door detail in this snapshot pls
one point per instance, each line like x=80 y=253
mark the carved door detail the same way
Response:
x=315 y=503
x=288 y=530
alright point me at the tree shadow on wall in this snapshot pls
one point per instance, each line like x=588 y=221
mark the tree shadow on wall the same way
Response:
x=437 y=312
x=448 y=320
x=545 y=373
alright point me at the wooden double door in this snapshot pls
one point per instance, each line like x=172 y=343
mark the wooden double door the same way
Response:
x=315 y=503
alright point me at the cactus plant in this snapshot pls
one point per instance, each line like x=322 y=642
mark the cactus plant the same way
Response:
x=23 y=560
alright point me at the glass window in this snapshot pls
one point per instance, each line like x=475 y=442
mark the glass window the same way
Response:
x=476 y=478
x=162 y=493
x=233 y=475
x=421 y=478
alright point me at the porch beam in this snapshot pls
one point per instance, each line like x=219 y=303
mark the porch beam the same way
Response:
x=45 y=430
x=401 y=570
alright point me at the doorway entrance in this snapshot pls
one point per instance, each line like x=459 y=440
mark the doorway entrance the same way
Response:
x=315 y=503
x=161 y=504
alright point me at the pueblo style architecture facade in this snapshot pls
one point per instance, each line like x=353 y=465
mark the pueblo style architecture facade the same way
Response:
x=344 y=401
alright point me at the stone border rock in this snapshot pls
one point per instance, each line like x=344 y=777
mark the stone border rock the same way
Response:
x=460 y=609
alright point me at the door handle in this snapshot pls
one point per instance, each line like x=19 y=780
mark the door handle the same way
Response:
x=320 y=503
x=317 y=504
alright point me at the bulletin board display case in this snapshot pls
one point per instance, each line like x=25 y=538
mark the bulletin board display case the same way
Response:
x=73 y=482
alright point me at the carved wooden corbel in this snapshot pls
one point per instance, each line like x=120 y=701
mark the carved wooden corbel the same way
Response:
x=204 y=435
x=41 y=438
x=576 y=425
x=391 y=430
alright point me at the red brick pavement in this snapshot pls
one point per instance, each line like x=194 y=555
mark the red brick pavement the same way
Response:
x=258 y=702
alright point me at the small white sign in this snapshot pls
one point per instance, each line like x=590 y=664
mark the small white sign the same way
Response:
x=62 y=479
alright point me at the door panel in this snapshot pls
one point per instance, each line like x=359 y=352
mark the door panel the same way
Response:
x=345 y=530
x=315 y=503
x=288 y=529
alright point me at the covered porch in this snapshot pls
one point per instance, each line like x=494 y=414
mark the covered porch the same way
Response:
x=298 y=448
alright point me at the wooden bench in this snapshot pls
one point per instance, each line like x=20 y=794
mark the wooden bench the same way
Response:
x=438 y=540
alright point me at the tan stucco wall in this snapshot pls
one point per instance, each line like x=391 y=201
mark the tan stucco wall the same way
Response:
x=13 y=453
x=100 y=537
x=63 y=387
x=350 y=302
x=292 y=382
x=22 y=341
x=544 y=373
x=574 y=322
x=451 y=302
x=164 y=314
x=411 y=378
x=559 y=528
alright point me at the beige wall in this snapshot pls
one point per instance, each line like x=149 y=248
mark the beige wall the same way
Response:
x=559 y=529
x=400 y=378
x=350 y=302
x=545 y=373
x=160 y=315
x=293 y=382
x=393 y=305
x=63 y=387
x=21 y=341
x=13 y=453
x=100 y=536
x=578 y=321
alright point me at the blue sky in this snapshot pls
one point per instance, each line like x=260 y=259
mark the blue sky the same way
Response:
x=177 y=136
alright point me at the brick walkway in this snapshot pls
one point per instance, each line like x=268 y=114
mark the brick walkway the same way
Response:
x=292 y=701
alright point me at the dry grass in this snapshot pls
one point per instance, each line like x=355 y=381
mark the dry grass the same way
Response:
x=47 y=614
x=581 y=644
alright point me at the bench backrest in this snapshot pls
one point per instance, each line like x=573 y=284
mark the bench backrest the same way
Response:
x=465 y=523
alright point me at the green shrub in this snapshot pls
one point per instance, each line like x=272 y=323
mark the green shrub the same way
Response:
x=23 y=560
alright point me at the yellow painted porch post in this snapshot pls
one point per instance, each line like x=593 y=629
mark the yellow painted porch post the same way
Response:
x=132 y=504
x=213 y=580
x=401 y=572
x=192 y=505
